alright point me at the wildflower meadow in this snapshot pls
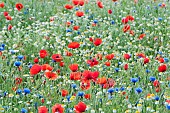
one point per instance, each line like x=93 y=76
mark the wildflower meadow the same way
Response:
x=84 y=56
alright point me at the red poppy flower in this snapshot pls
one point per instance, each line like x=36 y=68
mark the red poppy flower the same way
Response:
x=94 y=24
x=76 y=2
x=81 y=2
x=107 y=63
x=95 y=75
x=91 y=39
x=75 y=75
x=14 y=88
x=99 y=56
x=129 y=17
x=64 y=93
x=43 y=53
x=135 y=1
x=110 y=11
x=168 y=101
x=9 y=27
x=68 y=6
x=156 y=83
x=100 y=4
x=114 y=0
x=126 y=28
x=126 y=67
x=57 y=57
x=51 y=20
x=5 y=13
x=58 y=71
x=73 y=67
x=125 y=20
x=87 y=96
x=51 y=75
x=68 y=53
x=88 y=75
x=18 y=80
x=57 y=108
x=36 y=60
x=8 y=18
x=102 y=80
x=92 y=62
x=161 y=60
x=42 y=109
x=142 y=36
x=146 y=60
x=162 y=68
x=42 y=100
x=80 y=107
x=79 y=13
x=126 y=56
x=85 y=84
x=19 y=6
x=157 y=89
x=110 y=83
x=2 y=4
x=132 y=32
x=76 y=27
x=109 y=56
x=68 y=23
x=62 y=64
x=163 y=5
x=97 y=41
x=73 y=45
x=46 y=67
x=35 y=69
x=47 y=37
x=141 y=55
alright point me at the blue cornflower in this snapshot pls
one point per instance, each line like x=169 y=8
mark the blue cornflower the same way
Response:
x=73 y=86
x=122 y=88
x=20 y=57
x=160 y=19
x=160 y=4
x=76 y=8
x=5 y=93
x=110 y=90
x=166 y=59
x=12 y=51
x=80 y=93
x=68 y=30
x=1 y=48
x=68 y=97
x=152 y=79
x=134 y=80
x=71 y=21
x=117 y=69
x=168 y=107
x=156 y=98
x=17 y=63
x=138 y=90
x=27 y=91
x=3 y=45
x=119 y=63
x=78 y=32
x=23 y=110
x=112 y=22
x=18 y=91
x=148 y=71
x=116 y=89
x=95 y=21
